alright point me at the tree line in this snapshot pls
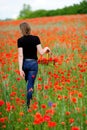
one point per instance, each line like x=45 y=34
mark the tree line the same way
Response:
x=80 y=8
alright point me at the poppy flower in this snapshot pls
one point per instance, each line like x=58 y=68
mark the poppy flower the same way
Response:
x=74 y=100
x=26 y=129
x=46 y=118
x=2 y=119
x=38 y=119
x=68 y=113
x=62 y=123
x=1 y=103
x=71 y=120
x=75 y=128
x=51 y=124
x=43 y=106
x=21 y=113
x=18 y=79
x=4 y=126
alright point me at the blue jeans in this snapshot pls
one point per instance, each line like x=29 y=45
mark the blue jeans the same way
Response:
x=30 y=67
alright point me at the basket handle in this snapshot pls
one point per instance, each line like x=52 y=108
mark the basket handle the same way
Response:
x=49 y=55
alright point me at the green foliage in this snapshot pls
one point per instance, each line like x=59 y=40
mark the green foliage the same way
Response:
x=75 y=9
x=25 y=12
x=38 y=13
x=83 y=7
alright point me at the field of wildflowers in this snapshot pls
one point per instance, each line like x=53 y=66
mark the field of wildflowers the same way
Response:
x=60 y=92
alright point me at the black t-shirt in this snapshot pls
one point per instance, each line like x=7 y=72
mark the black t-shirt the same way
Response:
x=29 y=43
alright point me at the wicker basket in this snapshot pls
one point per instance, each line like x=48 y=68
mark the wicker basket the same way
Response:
x=47 y=59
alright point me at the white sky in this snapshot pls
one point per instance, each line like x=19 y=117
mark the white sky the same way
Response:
x=11 y=8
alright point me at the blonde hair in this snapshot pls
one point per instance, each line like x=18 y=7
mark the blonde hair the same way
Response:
x=25 y=28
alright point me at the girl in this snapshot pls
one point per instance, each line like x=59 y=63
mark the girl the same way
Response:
x=28 y=45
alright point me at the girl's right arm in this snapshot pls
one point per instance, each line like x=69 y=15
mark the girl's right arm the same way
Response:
x=20 y=61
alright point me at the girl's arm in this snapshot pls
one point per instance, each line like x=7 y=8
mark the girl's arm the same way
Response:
x=20 y=61
x=42 y=50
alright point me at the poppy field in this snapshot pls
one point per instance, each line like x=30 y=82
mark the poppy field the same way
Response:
x=60 y=92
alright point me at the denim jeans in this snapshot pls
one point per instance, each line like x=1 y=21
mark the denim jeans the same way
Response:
x=30 y=67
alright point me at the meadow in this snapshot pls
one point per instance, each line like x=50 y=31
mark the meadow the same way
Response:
x=60 y=92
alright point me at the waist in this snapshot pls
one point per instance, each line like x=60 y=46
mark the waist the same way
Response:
x=30 y=59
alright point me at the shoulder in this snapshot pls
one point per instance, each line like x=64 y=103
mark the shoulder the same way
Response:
x=34 y=36
x=20 y=42
x=20 y=39
x=36 y=39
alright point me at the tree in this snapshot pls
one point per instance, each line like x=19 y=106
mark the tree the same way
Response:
x=83 y=7
x=80 y=8
x=25 y=12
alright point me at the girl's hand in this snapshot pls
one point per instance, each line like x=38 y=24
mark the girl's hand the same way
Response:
x=22 y=74
x=48 y=50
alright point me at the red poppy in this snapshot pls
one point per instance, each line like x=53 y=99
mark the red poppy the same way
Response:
x=67 y=113
x=80 y=95
x=86 y=122
x=8 y=106
x=40 y=79
x=34 y=106
x=60 y=97
x=26 y=129
x=43 y=106
x=39 y=87
x=50 y=111
x=2 y=119
x=21 y=113
x=13 y=94
x=4 y=126
x=74 y=99
x=54 y=105
x=71 y=120
x=52 y=124
x=38 y=119
x=19 y=120
x=46 y=118
x=46 y=87
x=5 y=76
x=75 y=128
x=62 y=123
x=1 y=103
x=18 y=79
